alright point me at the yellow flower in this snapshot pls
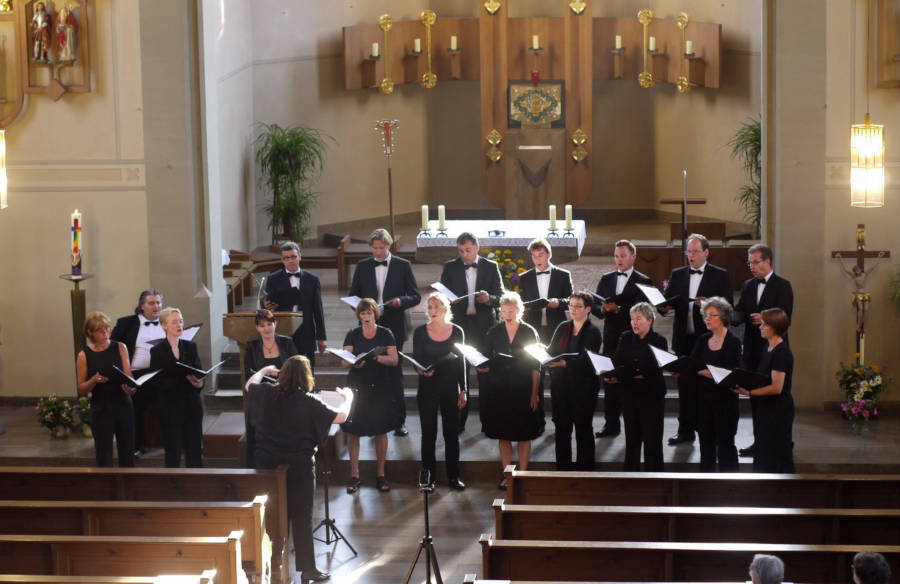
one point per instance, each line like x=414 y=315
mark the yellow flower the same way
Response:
x=856 y=355
x=521 y=270
x=507 y=252
x=521 y=262
x=875 y=368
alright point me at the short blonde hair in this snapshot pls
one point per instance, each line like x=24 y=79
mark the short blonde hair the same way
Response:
x=94 y=322
x=514 y=299
x=168 y=311
x=444 y=301
x=644 y=308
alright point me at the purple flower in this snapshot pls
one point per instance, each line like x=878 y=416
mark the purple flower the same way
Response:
x=865 y=413
x=855 y=411
x=875 y=412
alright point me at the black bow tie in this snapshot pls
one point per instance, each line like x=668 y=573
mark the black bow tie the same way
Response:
x=693 y=271
x=153 y=322
x=381 y=263
x=623 y=274
x=761 y=281
x=294 y=275
x=546 y=273
x=471 y=266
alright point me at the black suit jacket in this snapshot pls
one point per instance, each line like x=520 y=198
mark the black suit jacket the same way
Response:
x=126 y=332
x=713 y=282
x=399 y=283
x=177 y=397
x=618 y=322
x=308 y=298
x=560 y=287
x=777 y=294
x=488 y=279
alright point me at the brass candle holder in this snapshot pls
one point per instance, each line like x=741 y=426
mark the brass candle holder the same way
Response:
x=683 y=83
x=429 y=79
x=385 y=23
x=645 y=78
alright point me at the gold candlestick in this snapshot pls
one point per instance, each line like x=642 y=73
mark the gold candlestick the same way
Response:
x=385 y=23
x=429 y=79
x=645 y=78
x=683 y=83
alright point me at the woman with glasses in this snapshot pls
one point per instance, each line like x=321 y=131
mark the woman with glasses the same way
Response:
x=717 y=418
x=574 y=384
x=774 y=404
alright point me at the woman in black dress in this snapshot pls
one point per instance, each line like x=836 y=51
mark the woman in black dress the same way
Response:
x=180 y=406
x=643 y=390
x=443 y=387
x=112 y=413
x=268 y=349
x=774 y=404
x=574 y=384
x=718 y=413
x=374 y=380
x=293 y=423
x=511 y=408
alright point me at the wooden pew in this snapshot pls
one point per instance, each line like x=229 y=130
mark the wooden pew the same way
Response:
x=206 y=577
x=626 y=561
x=161 y=484
x=85 y=555
x=858 y=527
x=148 y=518
x=473 y=579
x=702 y=489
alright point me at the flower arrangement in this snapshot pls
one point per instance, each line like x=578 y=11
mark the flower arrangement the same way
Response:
x=81 y=415
x=510 y=269
x=54 y=414
x=861 y=385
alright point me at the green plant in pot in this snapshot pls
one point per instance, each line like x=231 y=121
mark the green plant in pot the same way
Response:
x=746 y=145
x=289 y=159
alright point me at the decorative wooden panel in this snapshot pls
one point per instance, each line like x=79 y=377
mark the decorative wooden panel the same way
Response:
x=579 y=56
x=494 y=80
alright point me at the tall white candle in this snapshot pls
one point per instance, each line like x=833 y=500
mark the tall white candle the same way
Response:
x=535 y=42
x=453 y=45
x=652 y=43
x=441 y=217
x=618 y=41
x=417 y=45
x=424 y=217
x=689 y=47
x=568 y=216
x=552 y=216
x=374 y=49
x=77 y=242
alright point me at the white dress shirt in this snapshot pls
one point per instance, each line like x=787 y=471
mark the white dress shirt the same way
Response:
x=761 y=287
x=471 y=278
x=543 y=285
x=295 y=283
x=693 y=287
x=381 y=277
x=151 y=332
x=620 y=281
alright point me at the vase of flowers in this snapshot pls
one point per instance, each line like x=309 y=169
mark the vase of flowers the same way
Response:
x=510 y=268
x=54 y=414
x=81 y=416
x=861 y=384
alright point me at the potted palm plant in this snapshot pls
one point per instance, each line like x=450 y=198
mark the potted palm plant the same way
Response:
x=289 y=159
x=746 y=145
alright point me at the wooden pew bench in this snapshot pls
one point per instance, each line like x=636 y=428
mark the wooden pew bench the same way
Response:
x=148 y=518
x=161 y=484
x=624 y=561
x=206 y=577
x=473 y=579
x=85 y=555
x=702 y=489
x=858 y=527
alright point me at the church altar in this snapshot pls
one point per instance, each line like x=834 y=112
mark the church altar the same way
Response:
x=514 y=235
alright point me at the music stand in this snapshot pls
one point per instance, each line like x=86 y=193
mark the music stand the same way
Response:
x=332 y=534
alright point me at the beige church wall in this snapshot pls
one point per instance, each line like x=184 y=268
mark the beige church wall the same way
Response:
x=84 y=151
x=231 y=30
x=298 y=79
x=846 y=104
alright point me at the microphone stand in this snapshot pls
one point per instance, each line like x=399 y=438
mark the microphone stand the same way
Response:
x=332 y=533
x=427 y=542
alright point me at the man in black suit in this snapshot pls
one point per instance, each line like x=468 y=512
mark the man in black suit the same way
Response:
x=479 y=278
x=390 y=282
x=136 y=331
x=765 y=289
x=692 y=284
x=292 y=290
x=548 y=282
x=619 y=288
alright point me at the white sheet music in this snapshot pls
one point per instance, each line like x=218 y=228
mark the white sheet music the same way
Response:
x=653 y=295
x=718 y=373
x=663 y=358
x=472 y=355
x=601 y=363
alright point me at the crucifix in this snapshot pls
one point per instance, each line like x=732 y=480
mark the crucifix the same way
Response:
x=858 y=274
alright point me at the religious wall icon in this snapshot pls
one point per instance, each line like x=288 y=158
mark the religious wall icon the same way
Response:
x=40 y=34
x=540 y=105
x=66 y=35
x=59 y=61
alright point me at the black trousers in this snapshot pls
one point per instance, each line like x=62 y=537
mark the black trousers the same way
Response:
x=143 y=399
x=612 y=405
x=573 y=407
x=717 y=422
x=774 y=439
x=687 y=395
x=431 y=401
x=475 y=338
x=111 y=418
x=301 y=490
x=186 y=437
x=643 y=409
